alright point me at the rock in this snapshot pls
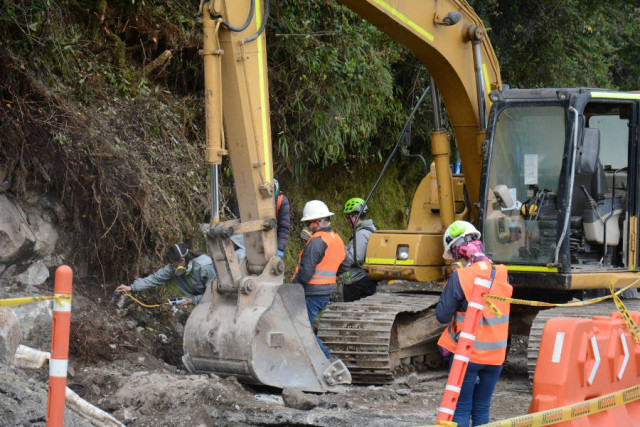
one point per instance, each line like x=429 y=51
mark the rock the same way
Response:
x=11 y=230
x=35 y=322
x=327 y=405
x=45 y=234
x=403 y=392
x=10 y=335
x=412 y=380
x=36 y=274
x=24 y=402
x=348 y=405
x=295 y=398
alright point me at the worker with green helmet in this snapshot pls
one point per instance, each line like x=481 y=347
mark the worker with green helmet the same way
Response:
x=356 y=283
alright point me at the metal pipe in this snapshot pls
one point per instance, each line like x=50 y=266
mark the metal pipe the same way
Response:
x=215 y=194
x=435 y=102
x=480 y=91
x=573 y=174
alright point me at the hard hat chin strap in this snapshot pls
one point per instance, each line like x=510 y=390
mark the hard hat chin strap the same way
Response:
x=182 y=255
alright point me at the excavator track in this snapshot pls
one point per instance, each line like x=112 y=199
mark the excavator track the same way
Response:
x=383 y=336
x=604 y=308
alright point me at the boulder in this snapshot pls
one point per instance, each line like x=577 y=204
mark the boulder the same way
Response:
x=36 y=274
x=296 y=398
x=44 y=232
x=12 y=236
x=35 y=323
x=10 y=335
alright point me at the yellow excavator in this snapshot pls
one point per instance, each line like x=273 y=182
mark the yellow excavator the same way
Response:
x=549 y=176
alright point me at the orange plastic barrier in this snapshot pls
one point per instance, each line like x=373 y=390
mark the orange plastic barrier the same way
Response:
x=59 y=348
x=581 y=359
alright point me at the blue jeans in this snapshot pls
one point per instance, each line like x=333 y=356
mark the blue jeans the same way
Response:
x=475 y=395
x=315 y=304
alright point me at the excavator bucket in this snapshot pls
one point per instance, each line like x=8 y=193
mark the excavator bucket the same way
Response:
x=260 y=335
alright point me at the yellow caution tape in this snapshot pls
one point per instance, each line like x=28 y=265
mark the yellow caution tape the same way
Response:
x=571 y=412
x=493 y=308
x=446 y=423
x=440 y=423
x=568 y=304
x=12 y=302
x=631 y=324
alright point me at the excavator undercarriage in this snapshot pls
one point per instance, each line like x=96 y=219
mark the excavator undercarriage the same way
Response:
x=383 y=336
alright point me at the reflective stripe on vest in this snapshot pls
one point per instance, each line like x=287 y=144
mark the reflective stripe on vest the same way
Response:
x=484 y=321
x=491 y=337
x=327 y=269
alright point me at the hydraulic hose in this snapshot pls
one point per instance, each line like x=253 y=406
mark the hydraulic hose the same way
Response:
x=262 y=25
x=407 y=125
x=246 y=24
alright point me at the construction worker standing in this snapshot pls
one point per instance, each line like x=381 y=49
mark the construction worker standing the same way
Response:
x=462 y=243
x=319 y=261
x=356 y=282
x=283 y=219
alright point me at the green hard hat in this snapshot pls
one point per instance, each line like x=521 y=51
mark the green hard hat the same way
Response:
x=355 y=204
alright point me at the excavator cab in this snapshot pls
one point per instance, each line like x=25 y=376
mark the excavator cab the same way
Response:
x=559 y=202
x=249 y=324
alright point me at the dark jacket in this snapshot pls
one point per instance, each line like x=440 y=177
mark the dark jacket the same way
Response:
x=451 y=300
x=283 y=218
x=312 y=254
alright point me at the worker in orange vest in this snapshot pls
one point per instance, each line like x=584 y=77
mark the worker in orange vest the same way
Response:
x=282 y=217
x=319 y=261
x=462 y=243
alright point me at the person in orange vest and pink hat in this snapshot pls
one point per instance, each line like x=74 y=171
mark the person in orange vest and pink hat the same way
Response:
x=319 y=261
x=462 y=244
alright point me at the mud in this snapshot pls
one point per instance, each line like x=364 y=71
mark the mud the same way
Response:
x=131 y=379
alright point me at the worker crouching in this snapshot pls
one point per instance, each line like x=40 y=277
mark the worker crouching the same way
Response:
x=462 y=243
x=191 y=272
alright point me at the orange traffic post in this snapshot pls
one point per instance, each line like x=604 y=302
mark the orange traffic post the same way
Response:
x=466 y=339
x=59 y=346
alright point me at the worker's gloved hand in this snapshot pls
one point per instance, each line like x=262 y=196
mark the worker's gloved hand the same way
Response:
x=280 y=253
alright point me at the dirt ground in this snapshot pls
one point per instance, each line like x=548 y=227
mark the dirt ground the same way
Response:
x=125 y=359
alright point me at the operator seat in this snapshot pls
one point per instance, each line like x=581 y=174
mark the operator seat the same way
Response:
x=589 y=173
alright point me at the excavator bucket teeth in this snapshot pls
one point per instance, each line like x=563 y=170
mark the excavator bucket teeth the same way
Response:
x=263 y=337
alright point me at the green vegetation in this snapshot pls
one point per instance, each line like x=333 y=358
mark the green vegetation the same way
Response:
x=550 y=43
x=102 y=106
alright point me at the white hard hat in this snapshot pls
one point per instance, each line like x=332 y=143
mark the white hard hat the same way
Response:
x=457 y=233
x=315 y=209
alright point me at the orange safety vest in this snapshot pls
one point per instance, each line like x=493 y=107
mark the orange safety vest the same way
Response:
x=327 y=269
x=278 y=204
x=490 y=346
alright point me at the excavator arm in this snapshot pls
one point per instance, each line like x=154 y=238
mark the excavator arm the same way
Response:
x=450 y=40
x=236 y=90
x=248 y=323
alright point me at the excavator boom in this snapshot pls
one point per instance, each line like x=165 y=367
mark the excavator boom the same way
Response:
x=449 y=39
x=248 y=324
